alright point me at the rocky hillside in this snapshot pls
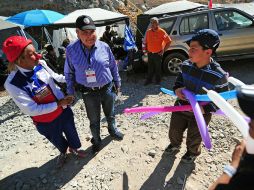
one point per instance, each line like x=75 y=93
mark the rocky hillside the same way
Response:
x=11 y=7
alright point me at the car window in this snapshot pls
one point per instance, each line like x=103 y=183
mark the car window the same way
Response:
x=227 y=20
x=167 y=25
x=192 y=24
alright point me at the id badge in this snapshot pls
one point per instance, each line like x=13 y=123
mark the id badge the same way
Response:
x=90 y=76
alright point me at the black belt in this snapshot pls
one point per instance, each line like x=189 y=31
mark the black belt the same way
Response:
x=83 y=88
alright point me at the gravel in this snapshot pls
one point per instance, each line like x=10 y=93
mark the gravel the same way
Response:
x=27 y=159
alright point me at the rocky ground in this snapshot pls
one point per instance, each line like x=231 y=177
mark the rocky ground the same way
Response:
x=138 y=162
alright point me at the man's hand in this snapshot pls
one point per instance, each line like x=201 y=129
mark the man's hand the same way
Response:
x=161 y=52
x=118 y=90
x=70 y=99
x=180 y=94
x=67 y=100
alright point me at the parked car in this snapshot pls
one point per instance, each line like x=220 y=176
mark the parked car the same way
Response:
x=235 y=27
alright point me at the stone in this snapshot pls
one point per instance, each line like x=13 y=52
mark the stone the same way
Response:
x=152 y=153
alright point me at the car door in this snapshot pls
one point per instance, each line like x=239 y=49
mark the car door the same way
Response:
x=236 y=31
x=191 y=24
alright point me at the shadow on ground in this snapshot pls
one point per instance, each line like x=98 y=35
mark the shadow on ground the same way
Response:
x=33 y=178
x=157 y=180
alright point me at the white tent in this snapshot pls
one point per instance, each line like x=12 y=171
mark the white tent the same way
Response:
x=172 y=7
x=6 y=25
x=100 y=17
x=7 y=29
x=3 y=17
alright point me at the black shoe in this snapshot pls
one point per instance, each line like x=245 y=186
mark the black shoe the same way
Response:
x=188 y=158
x=172 y=149
x=117 y=135
x=92 y=141
x=96 y=147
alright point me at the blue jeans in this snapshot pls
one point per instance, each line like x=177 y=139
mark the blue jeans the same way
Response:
x=54 y=130
x=93 y=101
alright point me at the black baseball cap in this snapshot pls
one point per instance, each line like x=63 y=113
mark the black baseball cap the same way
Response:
x=245 y=97
x=85 y=22
x=207 y=38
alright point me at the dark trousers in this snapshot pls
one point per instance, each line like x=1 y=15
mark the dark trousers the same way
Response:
x=93 y=101
x=154 y=66
x=180 y=121
x=130 y=56
x=54 y=130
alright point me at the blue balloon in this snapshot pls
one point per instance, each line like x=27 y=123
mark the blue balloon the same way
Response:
x=204 y=98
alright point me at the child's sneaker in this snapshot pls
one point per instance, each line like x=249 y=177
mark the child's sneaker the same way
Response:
x=79 y=153
x=172 y=149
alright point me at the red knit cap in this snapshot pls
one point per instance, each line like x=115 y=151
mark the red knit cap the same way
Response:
x=14 y=46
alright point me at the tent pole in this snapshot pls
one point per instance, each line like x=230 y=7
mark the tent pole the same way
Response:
x=41 y=37
x=23 y=33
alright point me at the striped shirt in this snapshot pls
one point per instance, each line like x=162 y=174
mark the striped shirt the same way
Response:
x=99 y=59
x=211 y=76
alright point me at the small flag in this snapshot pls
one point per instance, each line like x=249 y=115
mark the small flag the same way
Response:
x=210 y=4
x=129 y=42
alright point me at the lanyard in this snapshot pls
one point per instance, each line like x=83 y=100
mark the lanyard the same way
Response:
x=89 y=54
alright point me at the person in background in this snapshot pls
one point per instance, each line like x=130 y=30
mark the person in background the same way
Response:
x=31 y=86
x=156 y=40
x=197 y=72
x=61 y=60
x=91 y=66
x=51 y=57
x=66 y=42
x=107 y=36
x=240 y=172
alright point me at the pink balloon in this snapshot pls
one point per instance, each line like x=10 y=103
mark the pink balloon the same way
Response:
x=159 y=109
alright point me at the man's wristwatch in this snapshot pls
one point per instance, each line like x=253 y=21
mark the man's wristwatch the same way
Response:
x=229 y=170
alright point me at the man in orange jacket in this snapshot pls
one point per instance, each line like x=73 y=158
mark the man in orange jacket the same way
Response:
x=156 y=40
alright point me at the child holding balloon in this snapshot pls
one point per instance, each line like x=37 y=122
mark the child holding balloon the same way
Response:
x=197 y=72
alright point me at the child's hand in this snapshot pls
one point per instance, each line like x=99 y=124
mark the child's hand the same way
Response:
x=180 y=94
x=237 y=154
x=251 y=130
x=202 y=109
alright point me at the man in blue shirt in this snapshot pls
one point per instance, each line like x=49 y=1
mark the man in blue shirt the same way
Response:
x=91 y=67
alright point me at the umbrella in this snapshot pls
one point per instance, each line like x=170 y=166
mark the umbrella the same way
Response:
x=35 y=17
